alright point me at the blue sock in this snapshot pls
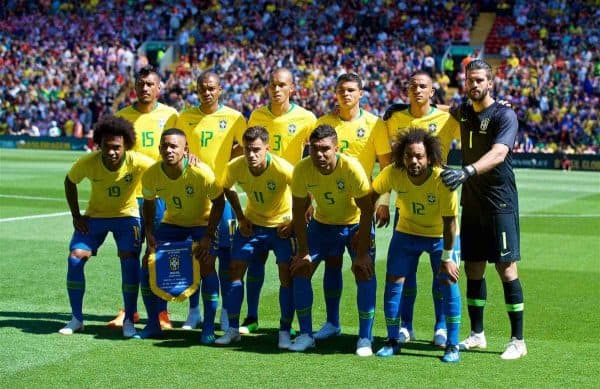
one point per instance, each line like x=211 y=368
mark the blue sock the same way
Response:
x=332 y=289
x=195 y=299
x=76 y=286
x=286 y=306
x=303 y=301
x=150 y=301
x=130 y=284
x=438 y=304
x=255 y=277
x=210 y=298
x=162 y=305
x=235 y=298
x=407 y=305
x=224 y=259
x=391 y=301
x=452 y=311
x=365 y=300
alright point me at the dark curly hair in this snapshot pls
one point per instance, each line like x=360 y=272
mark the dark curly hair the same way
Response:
x=417 y=135
x=111 y=125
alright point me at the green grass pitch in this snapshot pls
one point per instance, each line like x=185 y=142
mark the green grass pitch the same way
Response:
x=560 y=270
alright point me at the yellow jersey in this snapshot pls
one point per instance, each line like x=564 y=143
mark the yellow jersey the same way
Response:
x=287 y=133
x=334 y=193
x=436 y=122
x=269 y=197
x=113 y=193
x=363 y=138
x=187 y=198
x=149 y=126
x=421 y=207
x=211 y=136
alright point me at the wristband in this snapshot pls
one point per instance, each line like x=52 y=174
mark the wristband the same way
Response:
x=471 y=170
x=384 y=199
x=446 y=255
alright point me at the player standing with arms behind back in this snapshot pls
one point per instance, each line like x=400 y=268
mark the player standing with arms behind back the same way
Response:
x=490 y=215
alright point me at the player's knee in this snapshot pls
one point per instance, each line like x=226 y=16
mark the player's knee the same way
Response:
x=394 y=278
x=80 y=254
x=507 y=271
x=360 y=274
x=237 y=270
x=207 y=269
x=125 y=255
x=285 y=277
x=334 y=262
x=475 y=270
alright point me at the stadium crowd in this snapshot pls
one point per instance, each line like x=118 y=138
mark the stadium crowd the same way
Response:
x=550 y=74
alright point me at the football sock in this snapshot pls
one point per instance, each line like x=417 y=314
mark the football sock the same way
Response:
x=407 y=305
x=452 y=311
x=438 y=304
x=365 y=300
x=235 y=297
x=286 y=306
x=130 y=281
x=210 y=298
x=476 y=298
x=195 y=299
x=150 y=301
x=303 y=301
x=255 y=278
x=76 y=286
x=392 y=298
x=513 y=297
x=332 y=289
x=224 y=259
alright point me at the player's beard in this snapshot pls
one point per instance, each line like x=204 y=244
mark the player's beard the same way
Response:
x=480 y=96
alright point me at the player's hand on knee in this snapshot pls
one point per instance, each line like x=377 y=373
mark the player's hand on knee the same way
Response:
x=245 y=227
x=300 y=265
x=285 y=230
x=382 y=216
x=80 y=223
x=363 y=268
x=201 y=249
x=450 y=269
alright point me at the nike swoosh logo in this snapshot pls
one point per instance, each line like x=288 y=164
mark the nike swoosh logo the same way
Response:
x=463 y=119
x=192 y=124
x=312 y=185
x=504 y=254
x=401 y=192
x=159 y=189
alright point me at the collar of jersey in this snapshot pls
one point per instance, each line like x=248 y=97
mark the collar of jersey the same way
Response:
x=185 y=164
x=153 y=108
x=292 y=105
x=202 y=112
x=360 y=113
x=431 y=109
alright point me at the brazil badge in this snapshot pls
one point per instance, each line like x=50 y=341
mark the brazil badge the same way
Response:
x=174 y=275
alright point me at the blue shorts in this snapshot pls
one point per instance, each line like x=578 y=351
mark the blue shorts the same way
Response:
x=126 y=231
x=158 y=215
x=456 y=257
x=258 y=245
x=171 y=233
x=226 y=226
x=405 y=250
x=329 y=240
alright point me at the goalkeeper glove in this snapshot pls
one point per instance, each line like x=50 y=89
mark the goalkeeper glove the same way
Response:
x=453 y=178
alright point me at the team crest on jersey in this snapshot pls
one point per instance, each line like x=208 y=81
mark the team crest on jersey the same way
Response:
x=484 y=125
x=360 y=132
x=128 y=177
x=189 y=190
x=431 y=198
x=432 y=127
x=161 y=123
x=292 y=129
x=341 y=185
x=271 y=185
x=174 y=262
x=222 y=124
